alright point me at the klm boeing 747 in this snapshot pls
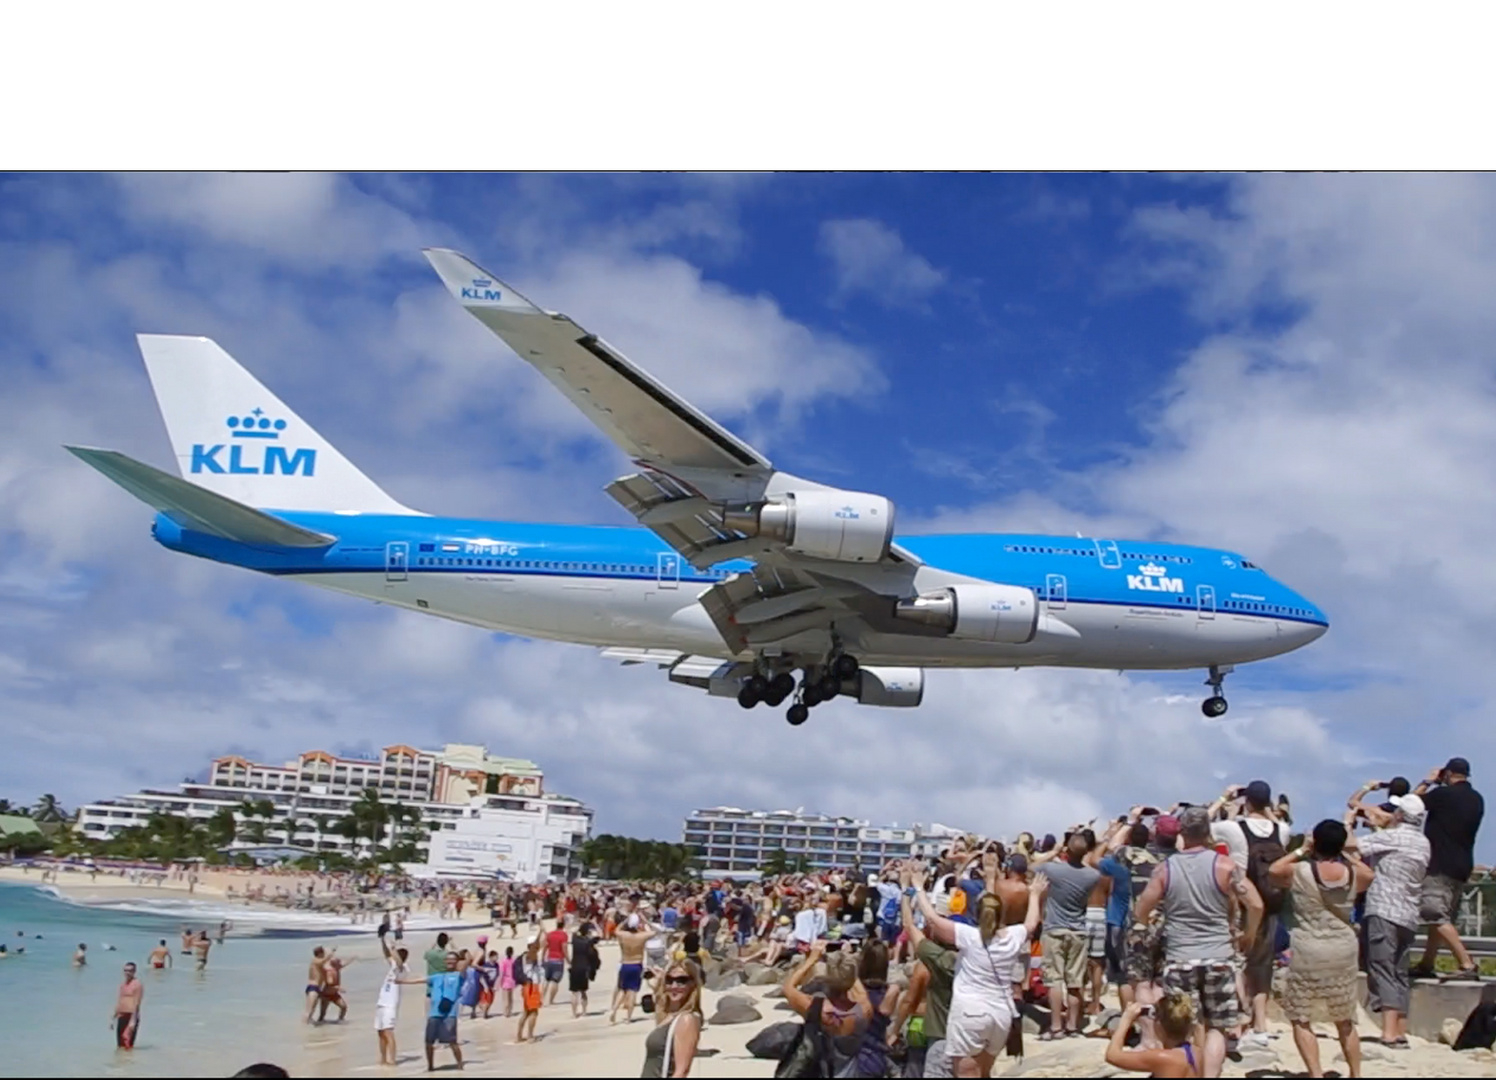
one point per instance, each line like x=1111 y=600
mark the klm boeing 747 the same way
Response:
x=739 y=579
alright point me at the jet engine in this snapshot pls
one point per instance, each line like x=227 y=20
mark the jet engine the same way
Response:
x=891 y=687
x=1003 y=614
x=849 y=526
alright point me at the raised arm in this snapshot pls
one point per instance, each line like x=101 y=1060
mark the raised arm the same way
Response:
x=1038 y=888
x=906 y=909
x=799 y=1000
x=1281 y=872
x=1140 y=1061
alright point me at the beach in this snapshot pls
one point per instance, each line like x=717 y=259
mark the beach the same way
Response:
x=248 y=1005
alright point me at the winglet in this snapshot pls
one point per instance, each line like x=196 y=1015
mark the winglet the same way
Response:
x=473 y=286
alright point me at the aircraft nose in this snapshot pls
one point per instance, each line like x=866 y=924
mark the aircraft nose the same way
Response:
x=1308 y=624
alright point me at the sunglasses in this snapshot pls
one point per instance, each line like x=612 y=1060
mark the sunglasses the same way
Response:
x=679 y=980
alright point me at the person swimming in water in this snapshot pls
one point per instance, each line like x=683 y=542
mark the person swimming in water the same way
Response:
x=160 y=956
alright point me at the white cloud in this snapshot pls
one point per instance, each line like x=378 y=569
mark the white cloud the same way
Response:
x=868 y=256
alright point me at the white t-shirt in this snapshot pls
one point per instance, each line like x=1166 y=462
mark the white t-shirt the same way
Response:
x=810 y=924
x=985 y=973
x=1230 y=834
x=389 y=991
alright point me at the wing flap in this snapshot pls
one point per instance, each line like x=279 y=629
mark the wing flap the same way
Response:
x=196 y=507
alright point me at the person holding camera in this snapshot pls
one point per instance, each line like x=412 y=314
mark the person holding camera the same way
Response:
x=1455 y=810
x=1398 y=853
x=1173 y=1020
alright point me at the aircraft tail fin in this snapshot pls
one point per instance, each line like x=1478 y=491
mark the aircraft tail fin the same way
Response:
x=196 y=507
x=235 y=438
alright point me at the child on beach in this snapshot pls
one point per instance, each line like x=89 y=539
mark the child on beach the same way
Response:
x=507 y=981
x=531 y=979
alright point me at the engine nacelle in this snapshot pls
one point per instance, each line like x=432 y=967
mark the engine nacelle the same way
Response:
x=849 y=526
x=1002 y=614
x=890 y=687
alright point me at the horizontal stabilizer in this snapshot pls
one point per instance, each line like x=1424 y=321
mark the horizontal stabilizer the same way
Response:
x=196 y=507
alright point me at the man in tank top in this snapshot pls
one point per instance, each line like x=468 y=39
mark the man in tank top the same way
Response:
x=1200 y=891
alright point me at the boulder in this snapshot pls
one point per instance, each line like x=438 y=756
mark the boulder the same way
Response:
x=784 y=1006
x=1449 y=1031
x=724 y=980
x=774 y=1040
x=759 y=975
x=775 y=991
x=735 y=1009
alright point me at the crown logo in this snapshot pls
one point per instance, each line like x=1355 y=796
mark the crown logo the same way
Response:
x=1152 y=570
x=255 y=425
x=481 y=282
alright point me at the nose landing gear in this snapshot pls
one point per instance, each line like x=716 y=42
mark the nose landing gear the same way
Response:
x=1215 y=705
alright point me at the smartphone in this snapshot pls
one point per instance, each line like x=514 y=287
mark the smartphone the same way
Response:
x=1146 y=1010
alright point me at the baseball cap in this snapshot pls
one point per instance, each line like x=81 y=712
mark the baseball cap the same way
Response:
x=1259 y=793
x=1411 y=806
x=1458 y=765
x=1166 y=828
x=1018 y=864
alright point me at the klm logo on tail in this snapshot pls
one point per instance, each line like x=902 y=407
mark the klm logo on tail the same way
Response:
x=242 y=457
x=481 y=289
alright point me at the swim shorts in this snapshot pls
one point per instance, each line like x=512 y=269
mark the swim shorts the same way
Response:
x=441 y=1029
x=554 y=969
x=630 y=977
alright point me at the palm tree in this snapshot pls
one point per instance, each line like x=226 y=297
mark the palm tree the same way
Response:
x=777 y=862
x=324 y=826
x=370 y=816
x=49 y=809
x=222 y=827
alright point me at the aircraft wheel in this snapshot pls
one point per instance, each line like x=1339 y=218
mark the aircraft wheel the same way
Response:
x=782 y=685
x=747 y=698
x=811 y=694
x=797 y=715
x=828 y=688
x=774 y=699
x=844 y=666
x=758 y=684
x=1214 y=706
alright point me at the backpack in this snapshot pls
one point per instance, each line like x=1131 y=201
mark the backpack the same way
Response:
x=805 y=1055
x=1480 y=1027
x=1262 y=852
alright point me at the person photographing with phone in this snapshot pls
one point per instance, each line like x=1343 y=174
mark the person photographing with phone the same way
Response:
x=1173 y=1020
x=1454 y=813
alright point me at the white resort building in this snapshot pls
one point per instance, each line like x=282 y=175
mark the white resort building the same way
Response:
x=726 y=840
x=480 y=815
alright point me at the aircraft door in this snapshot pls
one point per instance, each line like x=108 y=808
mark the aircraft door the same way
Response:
x=667 y=570
x=1106 y=551
x=396 y=561
x=1054 y=592
x=1205 y=601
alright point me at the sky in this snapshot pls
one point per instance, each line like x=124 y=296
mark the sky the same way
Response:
x=1296 y=366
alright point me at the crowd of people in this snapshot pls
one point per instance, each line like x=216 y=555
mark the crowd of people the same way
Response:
x=1197 y=915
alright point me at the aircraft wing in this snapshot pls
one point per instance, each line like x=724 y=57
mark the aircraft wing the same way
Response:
x=689 y=465
x=650 y=424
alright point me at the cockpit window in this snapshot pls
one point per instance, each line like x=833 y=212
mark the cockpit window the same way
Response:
x=1245 y=565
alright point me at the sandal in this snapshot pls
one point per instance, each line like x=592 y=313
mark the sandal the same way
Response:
x=1465 y=974
x=1046 y=1036
x=1395 y=1044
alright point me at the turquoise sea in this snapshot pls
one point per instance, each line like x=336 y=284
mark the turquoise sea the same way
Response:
x=54 y=1019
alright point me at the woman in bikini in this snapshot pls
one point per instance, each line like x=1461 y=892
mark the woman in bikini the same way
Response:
x=1174 y=1019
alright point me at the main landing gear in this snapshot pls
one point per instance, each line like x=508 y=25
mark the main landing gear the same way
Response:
x=1215 y=705
x=821 y=682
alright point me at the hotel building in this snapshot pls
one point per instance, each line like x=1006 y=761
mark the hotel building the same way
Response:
x=726 y=840
x=481 y=815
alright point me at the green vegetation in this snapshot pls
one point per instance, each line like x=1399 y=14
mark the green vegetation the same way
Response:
x=780 y=861
x=622 y=858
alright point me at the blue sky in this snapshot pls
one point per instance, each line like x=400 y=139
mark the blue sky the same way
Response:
x=1298 y=367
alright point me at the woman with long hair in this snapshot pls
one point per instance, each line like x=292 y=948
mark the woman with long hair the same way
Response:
x=1174 y=1022
x=982 y=1010
x=671 y=1046
x=1322 y=885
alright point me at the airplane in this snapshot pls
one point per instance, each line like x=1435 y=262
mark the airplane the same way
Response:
x=739 y=579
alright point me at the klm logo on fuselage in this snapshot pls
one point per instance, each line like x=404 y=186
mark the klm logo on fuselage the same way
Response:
x=846 y=513
x=1154 y=578
x=261 y=455
x=481 y=289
